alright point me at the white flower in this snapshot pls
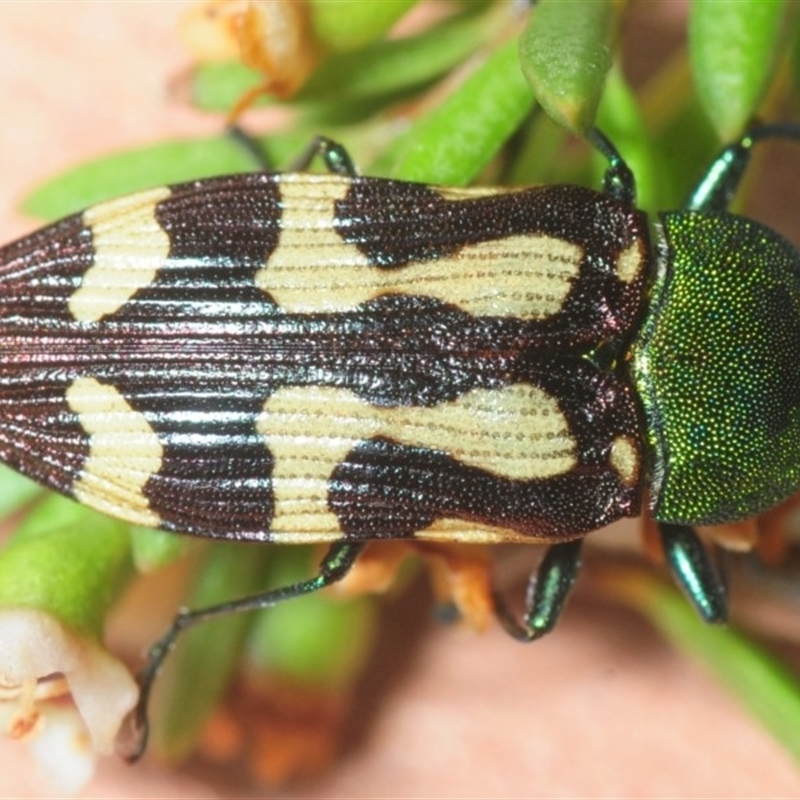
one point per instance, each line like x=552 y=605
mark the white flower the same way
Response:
x=42 y=663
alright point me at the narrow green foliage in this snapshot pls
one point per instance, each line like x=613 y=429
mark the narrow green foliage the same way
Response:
x=199 y=671
x=137 y=169
x=734 y=47
x=134 y=170
x=385 y=69
x=566 y=53
x=67 y=561
x=152 y=549
x=769 y=691
x=621 y=120
x=378 y=72
x=342 y=25
x=216 y=86
x=16 y=491
x=454 y=142
x=317 y=639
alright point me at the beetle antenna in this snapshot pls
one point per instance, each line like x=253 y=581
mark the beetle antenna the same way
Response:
x=618 y=182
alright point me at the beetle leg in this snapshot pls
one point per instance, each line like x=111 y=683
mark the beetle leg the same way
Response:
x=717 y=187
x=693 y=571
x=334 y=155
x=337 y=563
x=548 y=590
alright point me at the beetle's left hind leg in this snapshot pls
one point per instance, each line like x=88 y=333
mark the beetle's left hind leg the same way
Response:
x=547 y=593
x=337 y=563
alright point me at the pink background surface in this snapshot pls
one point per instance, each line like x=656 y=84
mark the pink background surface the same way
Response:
x=602 y=708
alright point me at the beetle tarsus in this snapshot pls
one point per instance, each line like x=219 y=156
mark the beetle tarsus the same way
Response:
x=693 y=571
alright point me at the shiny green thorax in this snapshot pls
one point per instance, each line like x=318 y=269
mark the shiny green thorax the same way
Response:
x=717 y=364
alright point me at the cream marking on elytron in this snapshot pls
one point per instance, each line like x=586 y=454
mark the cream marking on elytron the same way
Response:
x=459 y=530
x=471 y=192
x=307 y=271
x=516 y=432
x=631 y=262
x=625 y=459
x=124 y=451
x=129 y=249
x=527 y=276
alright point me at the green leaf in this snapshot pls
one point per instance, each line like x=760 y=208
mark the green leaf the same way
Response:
x=768 y=690
x=134 y=170
x=16 y=491
x=218 y=86
x=342 y=25
x=152 y=549
x=565 y=52
x=679 y=136
x=153 y=165
x=317 y=639
x=387 y=68
x=734 y=46
x=199 y=671
x=454 y=142
x=682 y=150
x=74 y=572
x=620 y=119
x=378 y=71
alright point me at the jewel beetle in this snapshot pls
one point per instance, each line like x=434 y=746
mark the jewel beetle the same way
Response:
x=307 y=358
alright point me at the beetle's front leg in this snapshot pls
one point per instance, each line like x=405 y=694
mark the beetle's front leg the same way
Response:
x=693 y=571
x=548 y=589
